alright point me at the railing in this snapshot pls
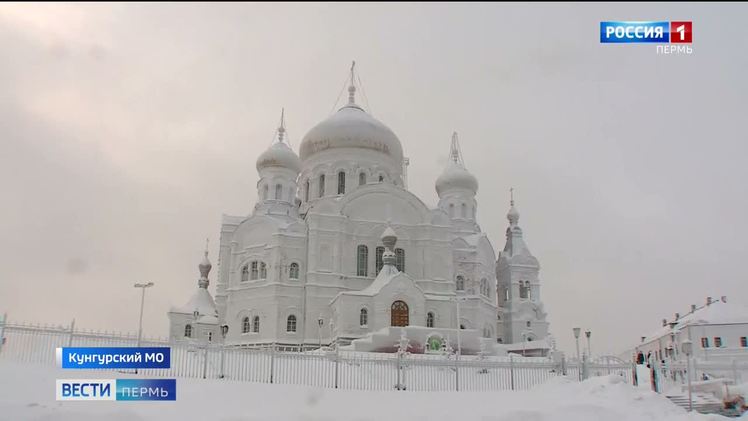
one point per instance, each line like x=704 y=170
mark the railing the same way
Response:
x=328 y=369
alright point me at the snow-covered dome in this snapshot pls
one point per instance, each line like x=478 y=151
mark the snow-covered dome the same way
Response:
x=455 y=176
x=279 y=155
x=352 y=127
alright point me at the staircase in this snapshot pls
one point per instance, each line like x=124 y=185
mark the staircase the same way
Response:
x=704 y=403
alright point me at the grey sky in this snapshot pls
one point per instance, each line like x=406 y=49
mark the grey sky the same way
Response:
x=127 y=130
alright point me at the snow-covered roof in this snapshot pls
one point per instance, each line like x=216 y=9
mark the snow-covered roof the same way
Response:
x=716 y=313
x=203 y=303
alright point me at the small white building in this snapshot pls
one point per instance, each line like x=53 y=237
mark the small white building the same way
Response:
x=338 y=249
x=718 y=330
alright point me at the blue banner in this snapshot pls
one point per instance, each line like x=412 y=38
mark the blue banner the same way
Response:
x=146 y=389
x=124 y=357
x=620 y=32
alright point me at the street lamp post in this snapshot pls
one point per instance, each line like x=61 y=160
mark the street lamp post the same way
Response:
x=142 y=302
x=224 y=331
x=577 y=331
x=588 y=333
x=320 y=322
x=688 y=350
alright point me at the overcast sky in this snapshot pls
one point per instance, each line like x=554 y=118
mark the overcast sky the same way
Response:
x=127 y=130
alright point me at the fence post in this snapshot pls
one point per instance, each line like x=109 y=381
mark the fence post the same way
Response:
x=399 y=370
x=72 y=332
x=2 y=330
x=205 y=362
x=734 y=371
x=337 y=362
x=457 y=372
x=511 y=370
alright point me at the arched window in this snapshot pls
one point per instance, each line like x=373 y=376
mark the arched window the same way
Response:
x=524 y=289
x=341 y=182
x=321 y=185
x=291 y=324
x=245 y=325
x=293 y=271
x=430 y=319
x=378 y=261
x=451 y=210
x=188 y=331
x=381 y=178
x=363 y=317
x=400 y=262
x=278 y=192
x=306 y=190
x=255 y=271
x=362 y=260
x=463 y=211
x=484 y=287
x=460 y=283
x=256 y=324
x=245 y=273
x=265 y=192
x=263 y=270
x=361 y=179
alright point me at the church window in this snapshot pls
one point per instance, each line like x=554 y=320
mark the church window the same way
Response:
x=430 y=319
x=278 y=192
x=524 y=289
x=362 y=179
x=210 y=336
x=378 y=261
x=293 y=271
x=245 y=273
x=291 y=324
x=245 y=325
x=381 y=178
x=529 y=323
x=363 y=317
x=256 y=324
x=718 y=341
x=463 y=211
x=263 y=270
x=362 y=260
x=321 y=185
x=188 y=331
x=306 y=190
x=484 y=287
x=255 y=270
x=460 y=283
x=451 y=210
x=341 y=182
x=265 y=192
x=400 y=262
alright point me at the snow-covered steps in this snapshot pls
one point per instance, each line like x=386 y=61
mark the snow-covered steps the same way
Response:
x=704 y=404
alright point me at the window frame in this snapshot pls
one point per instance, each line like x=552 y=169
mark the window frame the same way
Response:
x=256 y=324
x=245 y=273
x=341 y=182
x=362 y=260
x=430 y=319
x=400 y=259
x=293 y=268
x=321 y=187
x=379 y=259
x=363 y=317
x=188 y=330
x=246 y=325
x=291 y=323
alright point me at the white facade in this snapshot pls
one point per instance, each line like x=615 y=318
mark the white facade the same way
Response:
x=718 y=331
x=337 y=248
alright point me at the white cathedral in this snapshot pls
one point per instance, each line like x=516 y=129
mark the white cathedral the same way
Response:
x=337 y=250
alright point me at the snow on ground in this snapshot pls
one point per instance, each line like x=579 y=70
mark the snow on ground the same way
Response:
x=27 y=392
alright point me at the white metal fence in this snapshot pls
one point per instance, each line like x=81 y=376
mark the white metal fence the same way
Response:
x=329 y=369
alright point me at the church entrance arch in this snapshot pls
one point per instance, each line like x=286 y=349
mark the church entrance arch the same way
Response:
x=399 y=314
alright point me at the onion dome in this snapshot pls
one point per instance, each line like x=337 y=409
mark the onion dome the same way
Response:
x=455 y=176
x=351 y=128
x=279 y=154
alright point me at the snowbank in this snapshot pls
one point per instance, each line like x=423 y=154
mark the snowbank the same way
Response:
x=27 y=393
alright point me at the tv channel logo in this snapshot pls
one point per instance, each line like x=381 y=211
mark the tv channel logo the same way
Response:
x=650 y=32
x=116 y=390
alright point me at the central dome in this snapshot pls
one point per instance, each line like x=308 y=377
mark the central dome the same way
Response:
x=351 y=127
